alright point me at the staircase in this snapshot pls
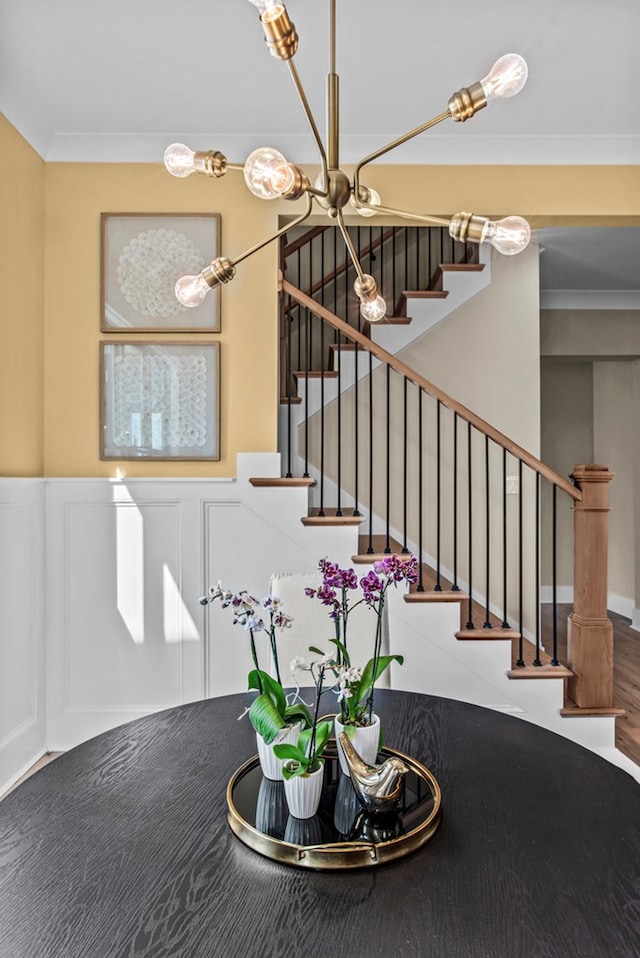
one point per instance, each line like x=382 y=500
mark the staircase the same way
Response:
x=389 y=459
x=425 y=629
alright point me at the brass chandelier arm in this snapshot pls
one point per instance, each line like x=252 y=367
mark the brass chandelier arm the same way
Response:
x=392 y=146
x=350 y=246
x=276 y=235
x=312 y=123
x=418 y=217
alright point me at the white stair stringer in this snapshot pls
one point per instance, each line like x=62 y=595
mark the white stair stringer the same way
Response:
x=427 y=313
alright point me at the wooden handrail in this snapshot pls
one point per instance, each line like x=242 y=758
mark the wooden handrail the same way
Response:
x=466 y=414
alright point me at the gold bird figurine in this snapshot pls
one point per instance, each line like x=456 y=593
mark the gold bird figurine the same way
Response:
x=378 y=787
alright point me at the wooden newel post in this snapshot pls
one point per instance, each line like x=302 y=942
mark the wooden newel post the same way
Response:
x=590 y=633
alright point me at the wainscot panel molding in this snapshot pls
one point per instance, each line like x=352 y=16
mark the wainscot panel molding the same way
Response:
x=22 y=610
x=127 y=561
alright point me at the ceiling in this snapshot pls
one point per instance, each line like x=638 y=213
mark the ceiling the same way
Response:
x=119 y=80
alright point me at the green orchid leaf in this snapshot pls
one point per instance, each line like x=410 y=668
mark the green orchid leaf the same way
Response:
x=289 y=751
x=368 y=678
x=266 y=683
x=343 y=651
x=303 y=740
x=265 y=718
x=323 y=734
x=316 y=650
x=298 y=712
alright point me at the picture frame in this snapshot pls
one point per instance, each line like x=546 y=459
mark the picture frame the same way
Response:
x=159 y=400
x=141 y=257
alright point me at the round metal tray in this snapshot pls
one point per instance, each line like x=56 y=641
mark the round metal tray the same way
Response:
x=341 y=834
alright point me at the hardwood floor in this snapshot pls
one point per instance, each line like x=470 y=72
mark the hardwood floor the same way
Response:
x=626 y=673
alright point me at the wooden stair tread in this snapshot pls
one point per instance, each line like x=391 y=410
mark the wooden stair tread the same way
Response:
x=330 y=519
x=575 y=712
x=546 y=671
x=282 y=481
x=433 y=595
x=291 y=400
x=461 y=267
x=425 y=293
x=529 y=656
x=316 y=374
x=489 y=634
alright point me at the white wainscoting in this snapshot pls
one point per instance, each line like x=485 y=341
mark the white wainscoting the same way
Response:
x=127 y=561
x=22 y=598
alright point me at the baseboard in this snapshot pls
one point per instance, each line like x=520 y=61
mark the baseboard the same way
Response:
x=620 y=605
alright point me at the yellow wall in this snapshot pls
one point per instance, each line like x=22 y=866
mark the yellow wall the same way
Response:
x=65 y=441
x=76 y=194
x=22 y=175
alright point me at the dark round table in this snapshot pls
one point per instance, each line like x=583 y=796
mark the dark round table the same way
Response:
x=120 y=849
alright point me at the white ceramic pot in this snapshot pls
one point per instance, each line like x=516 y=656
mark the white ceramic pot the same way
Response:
x=303 y=793
x=364 y=738
x=270 y=765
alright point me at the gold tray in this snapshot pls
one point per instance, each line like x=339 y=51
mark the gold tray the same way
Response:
x=341 y=835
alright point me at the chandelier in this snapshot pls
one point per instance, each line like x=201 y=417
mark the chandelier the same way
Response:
x=268 y=175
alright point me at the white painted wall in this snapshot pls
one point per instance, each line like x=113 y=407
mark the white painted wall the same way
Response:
x=615 y=436
x=22 y=616
x=566 y=410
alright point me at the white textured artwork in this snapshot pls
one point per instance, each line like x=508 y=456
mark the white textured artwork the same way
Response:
x=143 y=256
x=160 y=401
x=149 y=266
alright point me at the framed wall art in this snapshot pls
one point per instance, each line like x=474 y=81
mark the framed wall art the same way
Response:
x=142 y=256
x=159 y=400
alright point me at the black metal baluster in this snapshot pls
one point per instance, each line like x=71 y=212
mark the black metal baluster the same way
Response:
x=470 y=624
x=455 y=587
x=520 y=661
x=420 y=492
x=487 y=529
x=393 y=270
x=505 y=621
x=299 y=366
x=537 y=660
x=370 y=546
x=406 y=258
x=438 y=585
x=287 y=319
x=339 y=433
x=307 y=316
x=554 y=541
x=356 y=432
x=387 y=547
x=321 y=511
x=405 y=465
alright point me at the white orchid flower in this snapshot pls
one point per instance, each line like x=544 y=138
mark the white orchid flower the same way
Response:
x=299 y=663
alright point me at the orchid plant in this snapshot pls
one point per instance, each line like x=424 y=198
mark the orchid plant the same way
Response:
x=271 y=710
x=304 y=757
x=354 y=685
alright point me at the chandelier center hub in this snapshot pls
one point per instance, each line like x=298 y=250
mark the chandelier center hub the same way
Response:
x=338 y=191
